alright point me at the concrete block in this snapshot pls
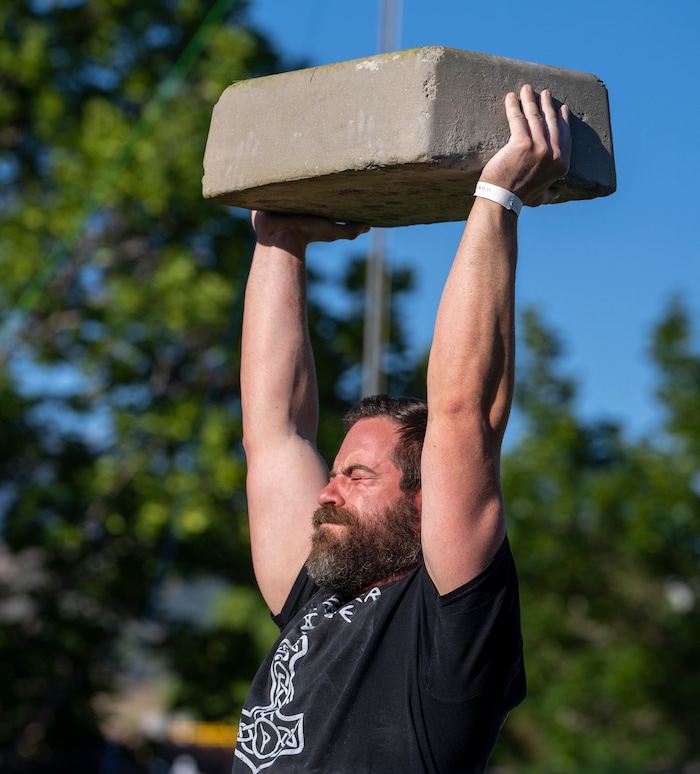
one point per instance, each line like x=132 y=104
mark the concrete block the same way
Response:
x=393 y=140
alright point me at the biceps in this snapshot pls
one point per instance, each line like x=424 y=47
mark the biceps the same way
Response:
x=283 y=483
x=282 y=489
x=463 y=520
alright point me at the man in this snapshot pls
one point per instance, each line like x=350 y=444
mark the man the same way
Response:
x=400 y=647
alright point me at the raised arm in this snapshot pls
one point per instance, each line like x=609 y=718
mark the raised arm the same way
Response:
x=279 y=399
x=470 y=374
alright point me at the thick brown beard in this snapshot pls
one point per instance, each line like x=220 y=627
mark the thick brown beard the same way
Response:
x=369 y=551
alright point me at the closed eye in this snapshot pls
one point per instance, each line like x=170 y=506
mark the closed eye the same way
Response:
x=359 y=472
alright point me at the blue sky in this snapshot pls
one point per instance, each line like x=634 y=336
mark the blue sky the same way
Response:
x=603 y=271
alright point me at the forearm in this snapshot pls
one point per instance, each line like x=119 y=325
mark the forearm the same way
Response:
x=470 y=374
x=278 y=386
x=473 y=347
x=278 y=379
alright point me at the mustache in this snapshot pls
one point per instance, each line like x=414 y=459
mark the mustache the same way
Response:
x=331 y=514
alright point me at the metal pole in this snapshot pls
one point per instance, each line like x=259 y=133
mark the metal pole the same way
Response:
x=373 y=376
x=376 y=294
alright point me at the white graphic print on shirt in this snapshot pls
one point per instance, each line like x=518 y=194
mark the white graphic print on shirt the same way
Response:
x=266 y=732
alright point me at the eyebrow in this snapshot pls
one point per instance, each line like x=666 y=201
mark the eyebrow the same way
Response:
x=351 y=469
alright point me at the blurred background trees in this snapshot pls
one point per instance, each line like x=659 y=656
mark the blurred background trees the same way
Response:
x=606 y=535
x=120 y=430
x=123 y=542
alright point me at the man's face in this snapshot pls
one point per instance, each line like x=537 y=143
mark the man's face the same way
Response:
x=366 y=530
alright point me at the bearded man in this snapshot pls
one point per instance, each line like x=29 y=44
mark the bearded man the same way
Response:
x=390 y=576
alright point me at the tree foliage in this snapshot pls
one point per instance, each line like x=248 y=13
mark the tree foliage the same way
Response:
x=119 y=393
x=606 y=534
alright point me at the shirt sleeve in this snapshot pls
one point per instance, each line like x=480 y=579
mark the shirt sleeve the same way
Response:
x=473 y=641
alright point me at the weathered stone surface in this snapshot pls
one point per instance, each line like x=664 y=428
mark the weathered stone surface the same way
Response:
x=393 y=140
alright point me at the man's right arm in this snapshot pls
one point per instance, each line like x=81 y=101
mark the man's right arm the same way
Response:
x=280 y=401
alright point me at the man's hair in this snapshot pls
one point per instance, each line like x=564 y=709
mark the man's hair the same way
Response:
x=411 y=416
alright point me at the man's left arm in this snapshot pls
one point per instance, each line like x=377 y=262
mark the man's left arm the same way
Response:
x=470 y=373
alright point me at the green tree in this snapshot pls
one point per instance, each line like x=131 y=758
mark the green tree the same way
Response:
x=606 y=534
x=121 y=468
x=119 y=408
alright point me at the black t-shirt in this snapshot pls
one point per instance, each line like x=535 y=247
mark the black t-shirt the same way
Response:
x=398 y=681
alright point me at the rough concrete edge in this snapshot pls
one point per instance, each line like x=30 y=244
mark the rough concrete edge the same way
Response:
x=247 y=200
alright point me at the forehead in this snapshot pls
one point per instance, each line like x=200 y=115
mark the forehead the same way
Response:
x=369 y=441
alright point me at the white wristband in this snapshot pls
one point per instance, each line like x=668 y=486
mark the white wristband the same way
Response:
x=499 y=195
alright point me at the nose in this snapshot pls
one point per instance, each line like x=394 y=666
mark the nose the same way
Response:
x=331 y=494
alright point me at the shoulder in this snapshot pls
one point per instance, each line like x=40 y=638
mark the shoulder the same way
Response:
x=499 y=575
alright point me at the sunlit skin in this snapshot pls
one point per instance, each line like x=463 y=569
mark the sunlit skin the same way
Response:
x=364 y=478
x=366 y=529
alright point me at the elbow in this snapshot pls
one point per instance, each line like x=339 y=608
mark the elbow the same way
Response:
x=469 y=417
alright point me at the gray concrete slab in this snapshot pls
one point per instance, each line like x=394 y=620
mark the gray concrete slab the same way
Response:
x=392 y=140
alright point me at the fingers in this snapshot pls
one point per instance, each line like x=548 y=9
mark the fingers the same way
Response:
x=350 y=230
x=531 y=125
x=537 y=117
x=537 y=153
x=564 y=137
x=529 y=103
x=551 y=116
x=516 y=119
x=301 y=229
x=538 y=113
x=558 y=130
x=324 y=230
